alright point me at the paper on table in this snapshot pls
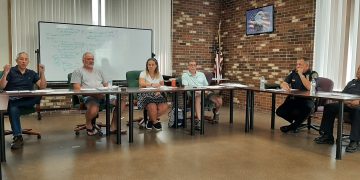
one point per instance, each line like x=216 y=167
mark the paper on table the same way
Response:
x=87 y=89
x=21 y=91
x=167 y=87
x=101 y=88
x=233 y=84
x=337 y=94
x=42 y=91
x=281 y=90
x=219 y=79
x=201 y=86
x=59 y=92
x=277 y=90
x=215 y=86
x=148 y=88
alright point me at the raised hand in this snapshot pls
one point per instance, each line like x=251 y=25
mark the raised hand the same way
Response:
x=7 y=69
x=41 y=68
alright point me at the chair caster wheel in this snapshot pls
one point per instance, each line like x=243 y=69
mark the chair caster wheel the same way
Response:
x=100 y=134
x=77 y=133
x=38 y=136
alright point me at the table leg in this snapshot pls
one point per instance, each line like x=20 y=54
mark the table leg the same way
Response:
x=340 y=131
x=185 y=108
x=247 y=111
x=2 y=143
x=131 y=118
x=202 y=119
x=107 y=107
x=192 y=113
x=176 y=109
x=273 y=103
x=231 y=106
x=252 y=110
x=118 y=118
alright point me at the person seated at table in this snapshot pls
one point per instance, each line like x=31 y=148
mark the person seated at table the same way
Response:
x=331 y=111
x=154 y=102
x=195 y=78
x=90 y=77
x=295 y=110
x=20 y=77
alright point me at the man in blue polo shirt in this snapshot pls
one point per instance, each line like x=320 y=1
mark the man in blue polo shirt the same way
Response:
x=21 y=78
x=194 y=78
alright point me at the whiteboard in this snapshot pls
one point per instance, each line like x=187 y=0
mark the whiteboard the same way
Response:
x=117 y=50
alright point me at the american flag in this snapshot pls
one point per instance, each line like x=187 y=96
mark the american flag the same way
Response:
x=218 y=65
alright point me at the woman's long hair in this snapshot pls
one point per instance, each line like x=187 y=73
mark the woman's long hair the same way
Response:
x=157 y=74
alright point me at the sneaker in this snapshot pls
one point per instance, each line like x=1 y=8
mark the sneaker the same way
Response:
x=324 y=139
x=197 y=125
x=17 y=143
x=149 y=125
x=352 y=147
x=157 y=126
x=216 y=117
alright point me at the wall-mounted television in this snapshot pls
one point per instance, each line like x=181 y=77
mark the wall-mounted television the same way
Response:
x=260 y=20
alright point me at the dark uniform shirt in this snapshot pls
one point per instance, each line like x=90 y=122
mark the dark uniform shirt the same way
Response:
x=18 y=81
x=353 y=87
x=294 y=81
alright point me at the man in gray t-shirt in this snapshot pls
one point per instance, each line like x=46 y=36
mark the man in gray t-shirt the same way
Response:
x=90 y=77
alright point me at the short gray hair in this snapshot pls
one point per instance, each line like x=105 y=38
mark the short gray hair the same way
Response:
x=306 y=60
x=86 y=53
x=21 y=53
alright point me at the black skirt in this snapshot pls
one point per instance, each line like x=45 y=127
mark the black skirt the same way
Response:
x=146 y=98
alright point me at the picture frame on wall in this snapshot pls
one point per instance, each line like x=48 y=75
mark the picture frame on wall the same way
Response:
x=260 y=20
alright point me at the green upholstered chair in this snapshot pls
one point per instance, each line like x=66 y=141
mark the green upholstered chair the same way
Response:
x=26 y=111
x=132 y=78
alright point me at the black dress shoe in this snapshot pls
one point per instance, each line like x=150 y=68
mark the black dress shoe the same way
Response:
x=352 y=147
x=288 y=128
x=324 y=139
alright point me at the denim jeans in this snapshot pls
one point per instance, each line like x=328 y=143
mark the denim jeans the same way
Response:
x=14 y=110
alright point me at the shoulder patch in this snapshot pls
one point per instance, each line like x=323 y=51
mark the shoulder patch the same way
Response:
x=314 y=75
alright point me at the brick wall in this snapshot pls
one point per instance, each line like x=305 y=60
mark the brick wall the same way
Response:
x=55 y=102
x=246 y=57
x=195 y=25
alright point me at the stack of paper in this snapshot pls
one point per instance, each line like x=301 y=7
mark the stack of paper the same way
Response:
x=233 y=85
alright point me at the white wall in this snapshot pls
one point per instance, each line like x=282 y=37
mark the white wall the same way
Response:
x=4 y=35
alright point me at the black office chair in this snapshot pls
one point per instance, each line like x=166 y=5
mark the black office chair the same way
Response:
x=325 y=85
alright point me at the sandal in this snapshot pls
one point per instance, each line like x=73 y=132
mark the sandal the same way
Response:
x=91 y=132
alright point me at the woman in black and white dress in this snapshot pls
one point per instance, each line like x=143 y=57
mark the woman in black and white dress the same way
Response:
x=154 y=102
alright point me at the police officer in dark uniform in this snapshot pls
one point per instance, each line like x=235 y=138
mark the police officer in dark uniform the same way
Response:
x=295 y=110
x=331 y=111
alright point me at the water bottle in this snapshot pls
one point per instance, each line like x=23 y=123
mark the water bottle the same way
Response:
x=313 y=87
x=110 y=84
x=262 y=83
